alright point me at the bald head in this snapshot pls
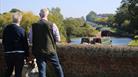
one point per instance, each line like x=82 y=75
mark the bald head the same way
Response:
x=17 y=17
x=44 y=13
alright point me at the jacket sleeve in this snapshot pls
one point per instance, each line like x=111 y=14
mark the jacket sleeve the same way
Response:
x=3 y=37
x=30 y=35
x=26 y=46
x=56 y=33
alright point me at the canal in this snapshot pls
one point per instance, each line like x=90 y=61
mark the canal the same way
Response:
x=115 y=40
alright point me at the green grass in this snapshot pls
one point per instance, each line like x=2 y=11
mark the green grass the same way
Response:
x=134 y=42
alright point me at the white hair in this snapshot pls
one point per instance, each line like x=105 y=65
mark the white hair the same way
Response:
x=17 y=17
x=44 y=13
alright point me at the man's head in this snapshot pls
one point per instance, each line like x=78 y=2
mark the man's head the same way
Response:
x=17 y=17
x=44 y=13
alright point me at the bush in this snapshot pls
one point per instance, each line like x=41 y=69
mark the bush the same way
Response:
x=134 y=42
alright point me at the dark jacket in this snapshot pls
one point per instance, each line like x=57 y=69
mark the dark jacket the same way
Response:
x=14 y=39
x=43 y=39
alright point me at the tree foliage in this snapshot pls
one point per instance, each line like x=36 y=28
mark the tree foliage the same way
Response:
x=102 y=19
x=15 y=10
x=5 y=19
x=78 y=27
x=91 y=16
x=56 y=17
x=28 y=19
x=68 y=26
x=128 y=13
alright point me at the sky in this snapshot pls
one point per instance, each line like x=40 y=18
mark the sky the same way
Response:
x=69 y=8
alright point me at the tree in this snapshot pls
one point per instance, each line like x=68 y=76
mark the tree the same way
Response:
x=78 y=27
x=5 y=19
x=28 y=19
x=56 y=17
x=128 y=12
x=122 y=14
x=72 y=25
x=15 y=10
x=111 y=19
x=91 y=16
x=133 y=11
x=69 y=27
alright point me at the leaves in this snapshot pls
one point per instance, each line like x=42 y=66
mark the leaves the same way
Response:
x=91 y=16
x=127 y=16
x=78 y=27
x=56 y=17
x=68 y=26
x=28 y=19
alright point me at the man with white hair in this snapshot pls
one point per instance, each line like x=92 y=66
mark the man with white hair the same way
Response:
x=15 y=46
x=44 y=36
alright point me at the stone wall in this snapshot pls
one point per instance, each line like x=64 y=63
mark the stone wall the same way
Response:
x=96 y=61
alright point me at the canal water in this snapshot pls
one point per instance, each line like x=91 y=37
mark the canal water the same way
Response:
x=115 y=41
